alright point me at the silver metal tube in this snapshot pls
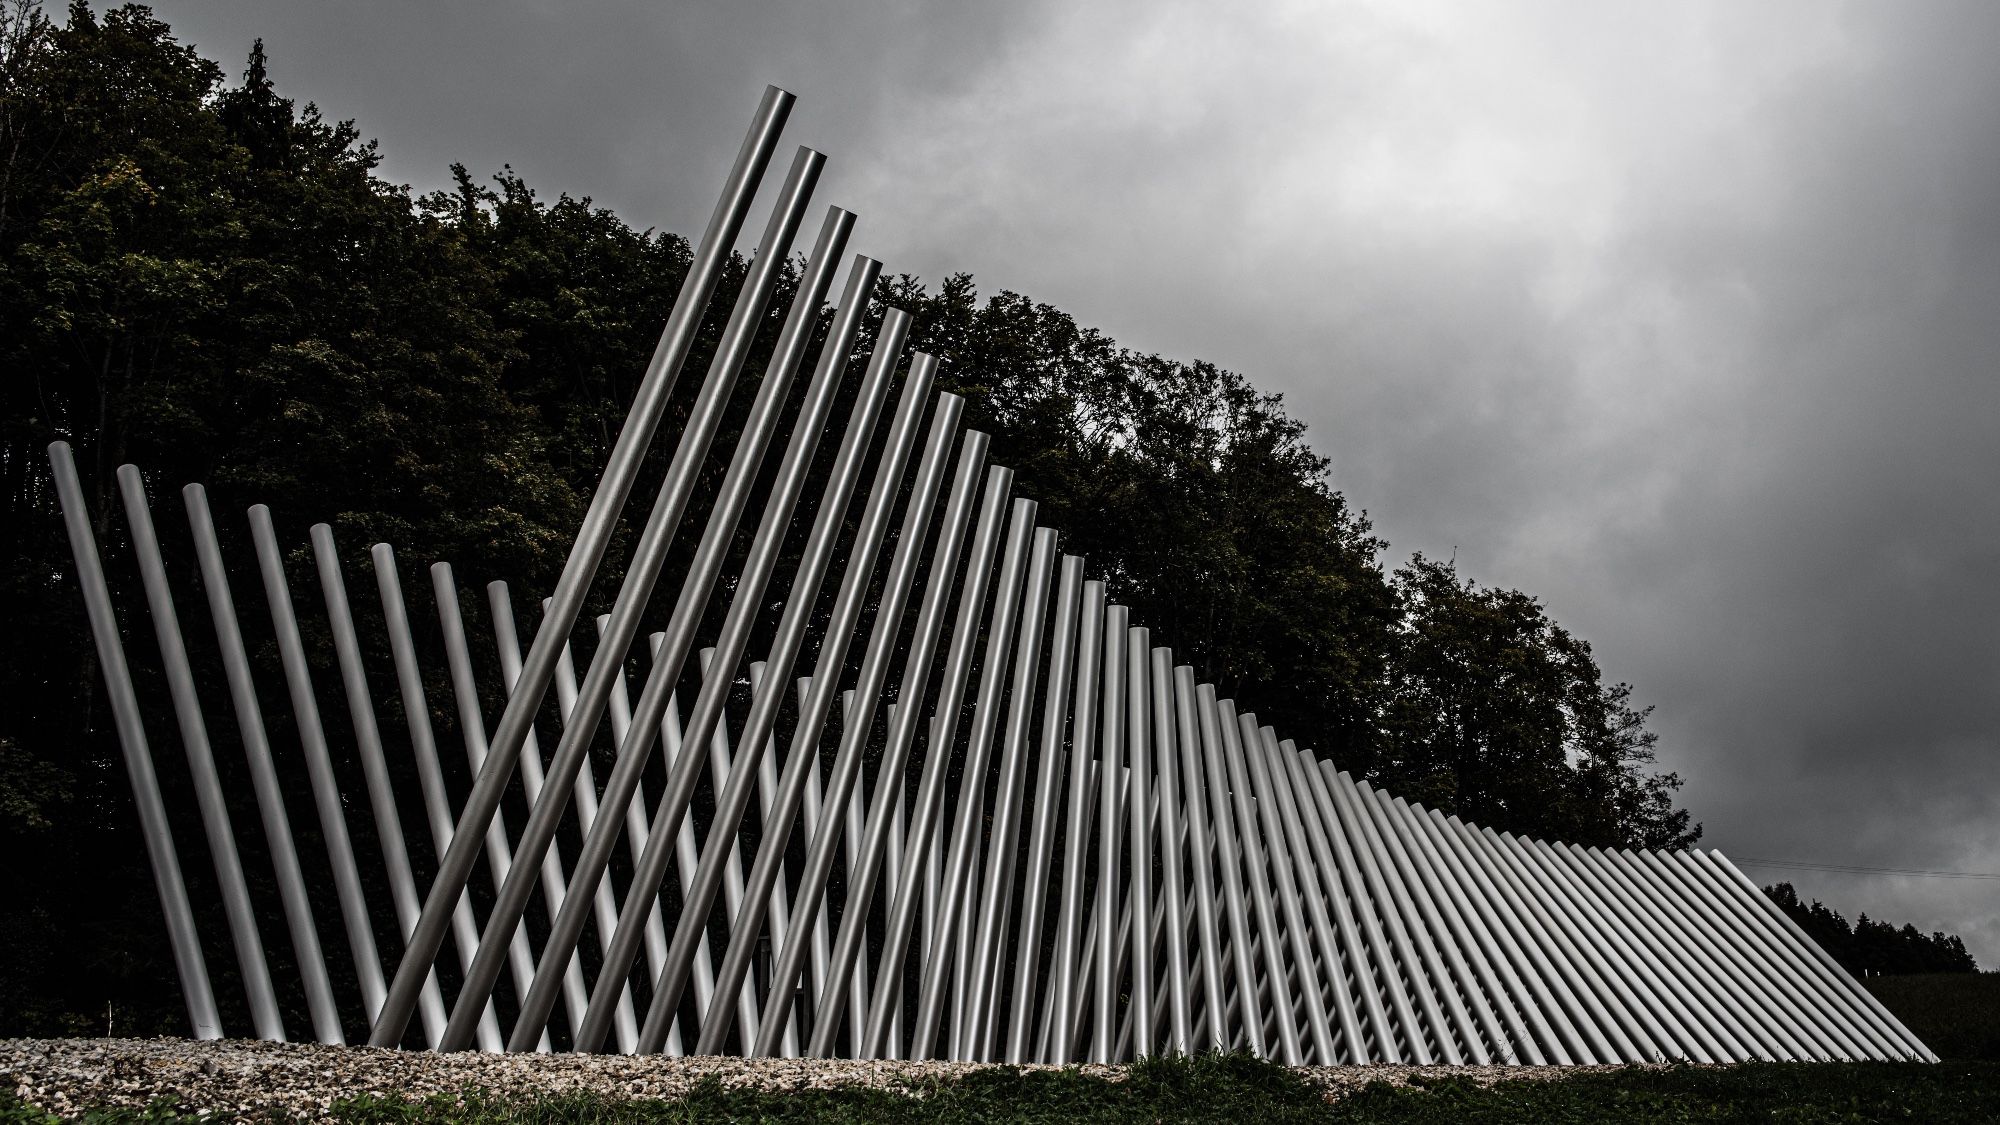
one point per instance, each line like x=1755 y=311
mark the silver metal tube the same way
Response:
x=859 y=720
x=1166 y=752
x=263 y=772
x=319 y=765
x=1229 y=859
x=1784 y=964
x=916 y=674
x=1065 y=989
x=662 y=526
x=1056 y=703
x=1110 y=826
x=1576 y=942
x=1214 y=974
x=842 y=627
x=1138 y=740
x=1285 y=861
x=374 y=765
x=165 y=862
x=983 y=1001
x=472 y=734
x=236 y=906
x=606 y=506
x=423 y=747
x=1259 y=875
x=636 y=820
x=1526 y=1031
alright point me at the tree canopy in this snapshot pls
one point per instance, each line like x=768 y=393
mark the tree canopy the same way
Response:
x=202 y=277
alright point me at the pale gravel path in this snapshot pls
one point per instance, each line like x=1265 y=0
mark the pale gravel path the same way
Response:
x=253 y=1078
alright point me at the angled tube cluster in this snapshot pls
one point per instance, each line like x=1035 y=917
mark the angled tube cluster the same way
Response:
x=894 y=779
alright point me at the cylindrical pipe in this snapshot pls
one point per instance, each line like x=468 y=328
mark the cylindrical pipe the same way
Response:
x=1259 y=865
x=1323 y=879
x=913 y=689
x=859 y=719
x=1110 y=826
x=1138 y=738
x=1166 y=752
x=841 y=629
x=747 y=602
x=181 y=935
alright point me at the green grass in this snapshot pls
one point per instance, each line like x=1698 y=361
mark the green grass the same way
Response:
x=1957 y=1014
x=1245 y=1091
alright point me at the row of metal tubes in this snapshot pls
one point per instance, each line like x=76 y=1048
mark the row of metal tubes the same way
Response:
x=269 y=552
x=1625 y=935
x=312 y=736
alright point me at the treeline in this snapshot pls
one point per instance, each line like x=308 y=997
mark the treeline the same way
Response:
x=201 y=277
x=1871 y=949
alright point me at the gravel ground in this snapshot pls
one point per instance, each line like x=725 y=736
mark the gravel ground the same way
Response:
x=251 y=1077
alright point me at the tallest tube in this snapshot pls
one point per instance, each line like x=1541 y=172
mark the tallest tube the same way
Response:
x=606 y=506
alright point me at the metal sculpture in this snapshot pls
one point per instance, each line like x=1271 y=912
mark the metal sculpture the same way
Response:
x=1024 y=834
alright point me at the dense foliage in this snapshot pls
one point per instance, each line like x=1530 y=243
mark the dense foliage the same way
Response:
x=1871 y=948
x=200 y=277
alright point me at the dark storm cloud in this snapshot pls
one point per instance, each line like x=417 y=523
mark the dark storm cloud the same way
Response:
x=1682 y=317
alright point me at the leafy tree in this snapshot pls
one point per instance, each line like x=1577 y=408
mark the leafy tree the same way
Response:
x=1871 y=948
x=1499 y=714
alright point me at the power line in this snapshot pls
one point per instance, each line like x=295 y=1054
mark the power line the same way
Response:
x=1854 y=869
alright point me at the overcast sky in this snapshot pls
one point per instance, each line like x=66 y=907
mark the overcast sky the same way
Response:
x=1684 y=317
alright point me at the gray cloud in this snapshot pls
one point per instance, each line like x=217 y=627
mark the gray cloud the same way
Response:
x=1679 y=316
